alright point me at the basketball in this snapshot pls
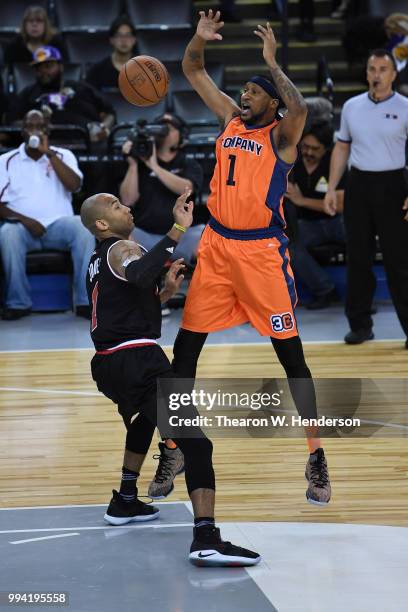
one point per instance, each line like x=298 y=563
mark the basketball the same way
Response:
x=143 y=80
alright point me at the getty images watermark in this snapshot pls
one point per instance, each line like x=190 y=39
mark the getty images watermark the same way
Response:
x=218 y=400
x=262 y=407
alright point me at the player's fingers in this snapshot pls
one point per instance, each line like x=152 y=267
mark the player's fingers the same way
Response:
x=260 y=27
x=210 y=13
x=217 y=16
x=259 y=34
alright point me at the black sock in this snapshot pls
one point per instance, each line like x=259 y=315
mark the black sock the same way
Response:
x=128 y=490
x=204 y=521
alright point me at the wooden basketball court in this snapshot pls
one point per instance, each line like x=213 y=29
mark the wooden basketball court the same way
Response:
x=62 y=442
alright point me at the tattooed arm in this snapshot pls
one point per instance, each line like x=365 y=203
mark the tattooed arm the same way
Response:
x=193 y=67
x=289 y=130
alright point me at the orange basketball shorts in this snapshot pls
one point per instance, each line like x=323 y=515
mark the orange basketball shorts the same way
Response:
x=237 y=281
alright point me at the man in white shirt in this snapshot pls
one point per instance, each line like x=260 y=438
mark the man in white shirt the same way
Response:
x=373 y=136
x=36 y=183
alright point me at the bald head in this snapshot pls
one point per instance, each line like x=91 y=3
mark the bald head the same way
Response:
x=104 y=216
x=94 y=208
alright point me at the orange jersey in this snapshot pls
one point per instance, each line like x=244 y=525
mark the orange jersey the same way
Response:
x=249 y=178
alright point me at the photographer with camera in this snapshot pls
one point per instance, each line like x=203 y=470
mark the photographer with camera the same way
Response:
x=157 y=169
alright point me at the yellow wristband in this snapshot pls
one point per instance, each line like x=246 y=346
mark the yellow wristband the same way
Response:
x=180 y=227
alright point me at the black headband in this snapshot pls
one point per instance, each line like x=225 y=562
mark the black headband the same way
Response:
x=268 y=87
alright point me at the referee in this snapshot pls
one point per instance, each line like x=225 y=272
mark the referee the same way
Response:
x=373 y=134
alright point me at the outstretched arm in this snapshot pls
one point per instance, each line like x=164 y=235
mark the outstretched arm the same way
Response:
x=289 y=131
x=125 y=256
x=217 y=101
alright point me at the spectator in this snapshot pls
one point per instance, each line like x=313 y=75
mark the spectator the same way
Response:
x=70 y=102
x=35 y=31
x=36 y=183
x=104 y=74
x=150 y=184
x=373 y=133
x=314 y=226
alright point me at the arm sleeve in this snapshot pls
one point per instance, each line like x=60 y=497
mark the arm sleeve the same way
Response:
x=144 y=271
x=344 y=132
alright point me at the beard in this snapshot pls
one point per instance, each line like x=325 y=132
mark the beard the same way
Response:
x=256 y=119
x=53 y=85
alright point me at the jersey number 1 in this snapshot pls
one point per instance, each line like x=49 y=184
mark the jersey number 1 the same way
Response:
x=94 y=321
x=230 y=179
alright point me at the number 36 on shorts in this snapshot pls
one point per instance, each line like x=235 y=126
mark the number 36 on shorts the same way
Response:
x=282 y=322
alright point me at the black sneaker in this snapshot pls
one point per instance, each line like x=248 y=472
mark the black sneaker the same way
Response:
x=12 y=314
x=120 y=512
x=208 y=550
x=359 y=336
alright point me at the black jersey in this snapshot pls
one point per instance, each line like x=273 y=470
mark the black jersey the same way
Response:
x=121 y=311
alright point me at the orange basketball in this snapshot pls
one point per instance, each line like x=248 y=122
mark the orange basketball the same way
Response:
x=143 y=80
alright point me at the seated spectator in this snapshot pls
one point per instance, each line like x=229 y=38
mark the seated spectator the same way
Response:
x=36 y=213
x=70 y=102
x=104 y=74
x=314 y=227
x=150 y=184
x=35 y=31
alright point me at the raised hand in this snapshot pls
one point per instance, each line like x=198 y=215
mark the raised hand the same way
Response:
x=183 y=210
x=208 y=26
x=173 y=278
x=269 y=43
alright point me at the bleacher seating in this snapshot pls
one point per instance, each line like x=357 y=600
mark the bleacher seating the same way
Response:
x=11 y=13
x=178 y=81
x=127 y=113
x=85 y=47
x=189 y=105
x=86 y=15
x=166 y=45
x=159 y=13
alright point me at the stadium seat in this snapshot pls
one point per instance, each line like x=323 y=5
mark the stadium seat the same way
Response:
x=127 y=113
x=24 y=75
x=188 y=104
x=78 y=15
x=85 y=47
x=159 y=13
x=48 y=262
x=166 y=45
x=178 y=81
x=11 y=13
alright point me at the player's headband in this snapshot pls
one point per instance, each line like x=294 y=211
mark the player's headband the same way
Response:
x=267 y=86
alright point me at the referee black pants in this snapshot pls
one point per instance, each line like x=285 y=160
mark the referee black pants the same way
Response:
x=373 y=206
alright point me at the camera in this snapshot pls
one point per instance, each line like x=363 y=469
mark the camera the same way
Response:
x=143 y=136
